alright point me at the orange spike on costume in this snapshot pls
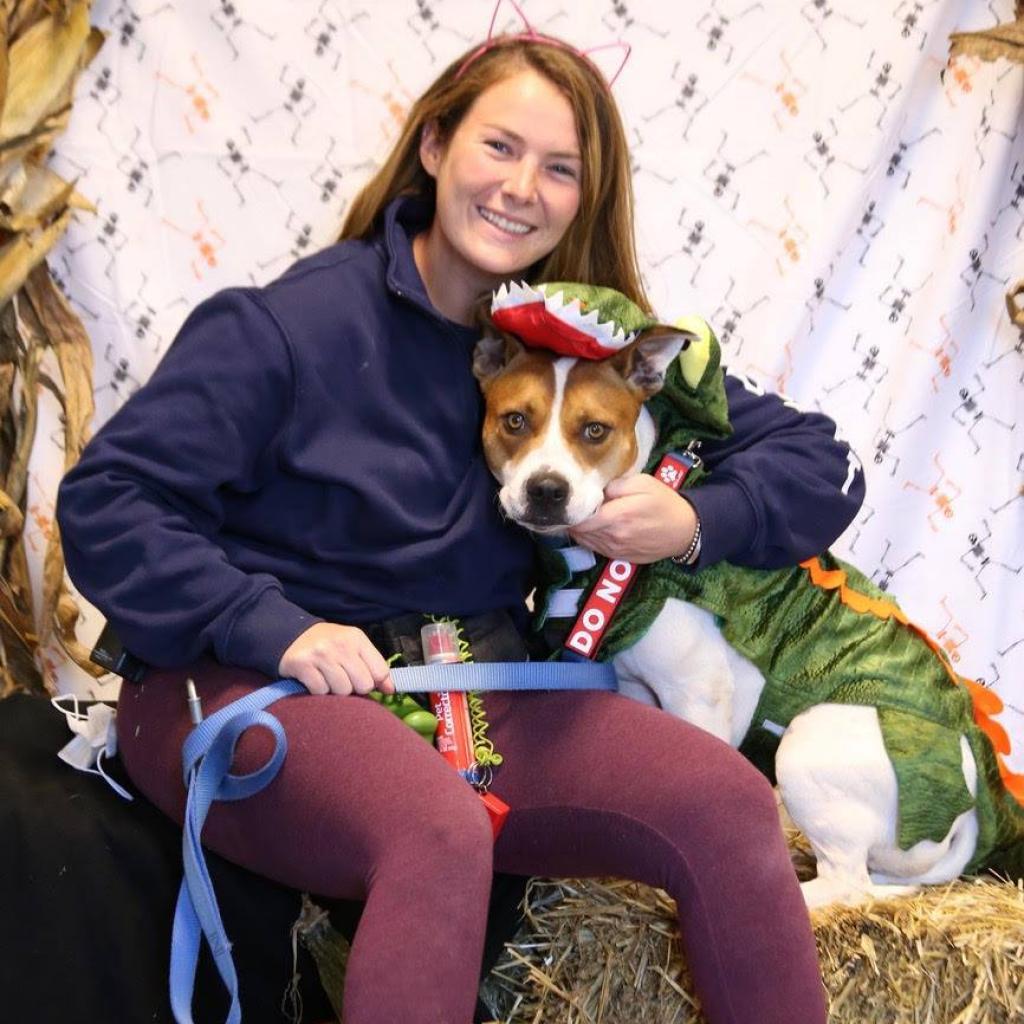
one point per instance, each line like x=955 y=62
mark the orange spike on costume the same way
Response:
x=987 y=700
x=835 y=579
x=1013 y=782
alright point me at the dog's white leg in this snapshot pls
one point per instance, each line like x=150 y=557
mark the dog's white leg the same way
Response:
x=683 y=659
x=840 y=788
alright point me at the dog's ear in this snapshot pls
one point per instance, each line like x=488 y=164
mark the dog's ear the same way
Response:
x=494 y=352
x=645 y=361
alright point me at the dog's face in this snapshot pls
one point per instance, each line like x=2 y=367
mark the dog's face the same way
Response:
x=558 y=429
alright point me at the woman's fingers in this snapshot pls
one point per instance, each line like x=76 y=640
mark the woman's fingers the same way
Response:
x=330 y=658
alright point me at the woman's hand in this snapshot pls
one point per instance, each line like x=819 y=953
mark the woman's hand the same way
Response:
x=328 y=658
x=640 y=521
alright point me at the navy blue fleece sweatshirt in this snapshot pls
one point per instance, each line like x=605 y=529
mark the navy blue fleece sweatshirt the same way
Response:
x=310 y=451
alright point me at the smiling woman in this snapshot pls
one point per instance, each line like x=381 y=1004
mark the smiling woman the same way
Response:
x=302 y=482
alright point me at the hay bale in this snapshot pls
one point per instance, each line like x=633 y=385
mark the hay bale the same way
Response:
x=606 y=952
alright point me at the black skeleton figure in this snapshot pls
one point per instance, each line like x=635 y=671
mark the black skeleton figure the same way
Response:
x=970 y=414
x=105 y=93
x=727 y=317
x=228 y=20
x=619 y=18
x=990 y=679
x=899 y=155
x=302 y=239
x=817 y=12
x=719 y=171
x=985 y=128
x=122 y=381
x=884 y=575
x=136 y=171
x=110 y=237
x=714 y=25
x=297 y=105
x=1015 y=204
x=867 y=376
x=234 y=165
x=868 y=230
x=126 y=23
x=908 y=14
x=141 y=316
x=61 y=279
x=975 y=271
x=977 y=559
x=328 y=175
x=882 y=89
x=819 y=298
x=885 y=436
x=322 y=29
x=689 y=101
x=821 y=159
x=425 y=23
x=895 y=295
x=695 y=247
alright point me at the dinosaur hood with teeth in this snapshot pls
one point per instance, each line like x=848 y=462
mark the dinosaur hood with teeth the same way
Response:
x=591 y=322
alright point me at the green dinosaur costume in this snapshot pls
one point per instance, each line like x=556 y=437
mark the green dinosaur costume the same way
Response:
x=820 y=632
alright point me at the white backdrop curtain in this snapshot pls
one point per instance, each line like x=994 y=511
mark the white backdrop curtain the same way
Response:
x=845 y=209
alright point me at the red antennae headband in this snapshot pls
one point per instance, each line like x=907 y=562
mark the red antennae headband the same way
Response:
x=530 y=34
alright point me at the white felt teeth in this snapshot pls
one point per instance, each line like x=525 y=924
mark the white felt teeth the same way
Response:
x=605 y=334
x=514 y=294
x=519 y=293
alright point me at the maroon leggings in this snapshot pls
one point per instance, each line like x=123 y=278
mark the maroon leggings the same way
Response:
x=598 y=785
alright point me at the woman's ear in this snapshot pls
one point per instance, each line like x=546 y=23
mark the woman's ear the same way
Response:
x=431 y=148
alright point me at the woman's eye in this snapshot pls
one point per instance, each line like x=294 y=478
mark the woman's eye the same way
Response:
x=565 y=171
x=515 y=422
x=595 y=431
x=498 y=146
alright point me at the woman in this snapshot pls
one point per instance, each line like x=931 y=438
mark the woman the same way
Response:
x=302 y=478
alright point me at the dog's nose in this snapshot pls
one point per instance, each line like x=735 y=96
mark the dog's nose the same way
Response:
x=547 y=490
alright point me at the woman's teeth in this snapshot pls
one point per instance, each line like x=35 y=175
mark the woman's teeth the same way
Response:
x=501 y=222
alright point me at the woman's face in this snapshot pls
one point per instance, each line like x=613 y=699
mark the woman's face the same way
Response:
x=508 y=180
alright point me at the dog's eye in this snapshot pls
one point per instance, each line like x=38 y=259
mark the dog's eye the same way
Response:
x=595 y=431
x=514 y=422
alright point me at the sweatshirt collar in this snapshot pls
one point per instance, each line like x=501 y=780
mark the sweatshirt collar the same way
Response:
x=404 y=218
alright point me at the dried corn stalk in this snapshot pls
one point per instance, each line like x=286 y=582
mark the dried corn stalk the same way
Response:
x=1006 y=40
x=44 y=44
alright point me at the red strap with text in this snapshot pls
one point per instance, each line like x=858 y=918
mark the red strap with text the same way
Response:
x=618 y=575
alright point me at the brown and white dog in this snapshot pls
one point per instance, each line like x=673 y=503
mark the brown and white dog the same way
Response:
x=557 y=429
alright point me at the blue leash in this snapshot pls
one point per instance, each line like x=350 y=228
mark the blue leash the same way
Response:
x=206 y=760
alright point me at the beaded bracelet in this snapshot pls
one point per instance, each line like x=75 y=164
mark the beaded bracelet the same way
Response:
x=692 y=553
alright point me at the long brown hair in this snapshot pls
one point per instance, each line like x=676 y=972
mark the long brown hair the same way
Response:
x=599 y=246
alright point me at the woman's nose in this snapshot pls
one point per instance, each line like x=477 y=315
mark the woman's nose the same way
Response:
x=521 y=182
